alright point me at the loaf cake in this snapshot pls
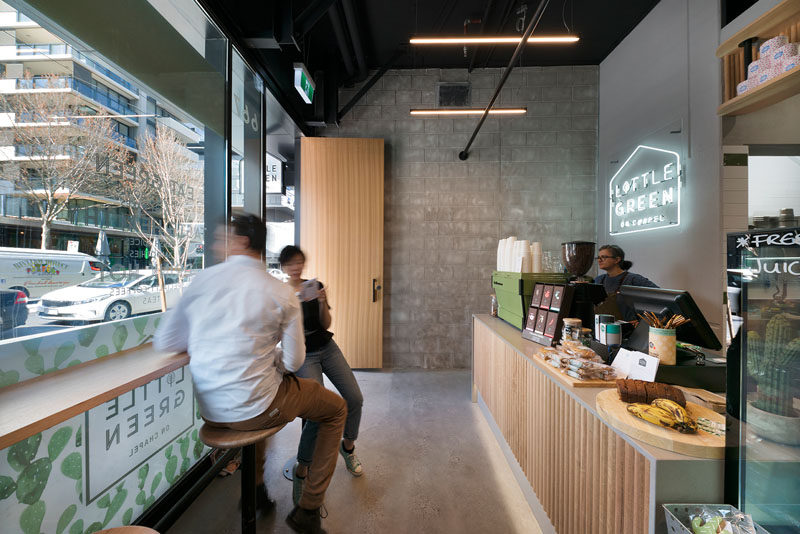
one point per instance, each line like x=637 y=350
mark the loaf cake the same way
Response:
x=646 y=392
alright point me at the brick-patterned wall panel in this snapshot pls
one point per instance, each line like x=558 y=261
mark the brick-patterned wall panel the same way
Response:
x=532 y=176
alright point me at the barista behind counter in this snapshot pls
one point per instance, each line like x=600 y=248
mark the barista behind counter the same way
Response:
x=611 y=259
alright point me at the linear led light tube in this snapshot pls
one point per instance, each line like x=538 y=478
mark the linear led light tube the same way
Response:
x=469 y=111
x=553 y=39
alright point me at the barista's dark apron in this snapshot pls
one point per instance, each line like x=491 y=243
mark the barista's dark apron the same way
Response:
x=610 y=305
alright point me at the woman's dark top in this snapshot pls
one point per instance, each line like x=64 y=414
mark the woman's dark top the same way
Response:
x=316 y=336
x=612 y=284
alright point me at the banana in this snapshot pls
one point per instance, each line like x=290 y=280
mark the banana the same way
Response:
x=653 y=414
x=684 y=423
x=678 y=412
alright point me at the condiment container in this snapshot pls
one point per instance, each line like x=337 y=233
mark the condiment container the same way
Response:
x=610 y=334
x=601 y=318
x=662 y=345
x=586 y=337
x=571 y=329
x=495 y=306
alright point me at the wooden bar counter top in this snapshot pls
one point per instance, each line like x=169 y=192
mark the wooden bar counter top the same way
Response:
x=587 y=476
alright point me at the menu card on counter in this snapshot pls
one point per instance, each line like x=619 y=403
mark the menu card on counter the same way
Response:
x=558 y=297
x=549 y=305
x=635 y=365
x=547 y=297
x=536 y=301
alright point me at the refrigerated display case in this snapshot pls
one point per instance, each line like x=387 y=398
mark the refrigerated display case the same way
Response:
x=763 y=453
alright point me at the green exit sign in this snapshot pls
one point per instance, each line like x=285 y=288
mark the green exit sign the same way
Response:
x=303 y=83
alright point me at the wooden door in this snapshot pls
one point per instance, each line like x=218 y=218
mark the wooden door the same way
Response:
x=341 y=232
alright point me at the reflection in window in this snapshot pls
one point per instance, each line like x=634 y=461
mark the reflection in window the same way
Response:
x=118 y=190
x=246 y=178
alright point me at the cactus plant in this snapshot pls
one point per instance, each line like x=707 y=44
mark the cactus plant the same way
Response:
x=772 y=363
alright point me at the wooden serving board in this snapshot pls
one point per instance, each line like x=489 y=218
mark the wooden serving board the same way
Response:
x=572 y=382
x=700 y=445
x=704 y=398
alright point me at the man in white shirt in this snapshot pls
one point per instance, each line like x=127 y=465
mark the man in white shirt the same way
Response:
x=230 y=320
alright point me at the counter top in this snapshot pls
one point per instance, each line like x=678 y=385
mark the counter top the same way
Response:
x=585 y=396
x=34 y=405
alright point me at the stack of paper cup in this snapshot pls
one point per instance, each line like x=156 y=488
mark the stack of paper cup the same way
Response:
x=536 y=257
x=770 y=46
x=500 y=247
x=525 y=254
x=508 y=253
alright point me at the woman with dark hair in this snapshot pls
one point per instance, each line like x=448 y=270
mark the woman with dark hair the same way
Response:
x=611 y=259
x=322 y=357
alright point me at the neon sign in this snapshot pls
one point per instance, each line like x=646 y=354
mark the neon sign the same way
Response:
x=645 y=193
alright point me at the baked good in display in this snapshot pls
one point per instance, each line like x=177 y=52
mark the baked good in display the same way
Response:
x=646 y=392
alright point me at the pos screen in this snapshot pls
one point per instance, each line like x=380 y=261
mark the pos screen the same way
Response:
x=666 y=302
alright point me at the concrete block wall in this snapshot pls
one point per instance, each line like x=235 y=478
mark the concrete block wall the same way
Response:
x=531 y=176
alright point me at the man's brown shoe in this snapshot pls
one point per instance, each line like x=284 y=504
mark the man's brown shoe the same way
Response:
x=305 y=521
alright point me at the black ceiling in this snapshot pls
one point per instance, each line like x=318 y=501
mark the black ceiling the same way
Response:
x=601 y=26
x=383 y=28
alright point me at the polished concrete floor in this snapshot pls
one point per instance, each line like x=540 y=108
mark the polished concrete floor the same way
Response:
x=431 y=465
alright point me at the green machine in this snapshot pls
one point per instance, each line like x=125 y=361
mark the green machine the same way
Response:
x=515 y=290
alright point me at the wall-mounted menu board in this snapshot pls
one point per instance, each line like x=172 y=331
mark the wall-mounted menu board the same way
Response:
x=549 y=305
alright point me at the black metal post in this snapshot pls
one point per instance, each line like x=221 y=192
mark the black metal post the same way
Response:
x=249 y=489
x=464 y=154
x=747 y=45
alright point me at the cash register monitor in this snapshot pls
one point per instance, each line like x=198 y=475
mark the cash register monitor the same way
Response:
x=665 y=302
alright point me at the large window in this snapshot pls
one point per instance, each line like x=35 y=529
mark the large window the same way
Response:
x=246 y=138
x=133 y=179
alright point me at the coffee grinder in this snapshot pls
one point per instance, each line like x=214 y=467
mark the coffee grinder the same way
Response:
x=577 y=258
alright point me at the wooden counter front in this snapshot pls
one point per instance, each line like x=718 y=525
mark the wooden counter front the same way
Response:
x=587 y=477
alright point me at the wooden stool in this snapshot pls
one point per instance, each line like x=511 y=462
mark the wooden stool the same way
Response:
x=128 y=530
x=226 y=438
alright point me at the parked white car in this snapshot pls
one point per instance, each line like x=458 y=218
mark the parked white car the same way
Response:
x=36 y=271
x=111 y=297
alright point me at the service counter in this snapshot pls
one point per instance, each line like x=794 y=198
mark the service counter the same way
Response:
x=587 y=476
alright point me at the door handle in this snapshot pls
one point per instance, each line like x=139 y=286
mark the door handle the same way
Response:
x=375 y=289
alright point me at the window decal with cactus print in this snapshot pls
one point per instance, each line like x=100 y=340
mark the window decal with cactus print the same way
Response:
x=43 y=479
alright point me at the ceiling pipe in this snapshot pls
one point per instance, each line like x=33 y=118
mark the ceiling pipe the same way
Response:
x=464 y=154
x=355 y=36
x=341 y=40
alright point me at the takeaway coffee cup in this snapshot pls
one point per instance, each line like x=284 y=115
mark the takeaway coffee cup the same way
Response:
x=662 y=345
x=599 y=319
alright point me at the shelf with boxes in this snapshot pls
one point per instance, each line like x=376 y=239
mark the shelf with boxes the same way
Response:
x=761 y=62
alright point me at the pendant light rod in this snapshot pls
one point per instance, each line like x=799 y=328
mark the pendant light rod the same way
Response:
x=537 y=16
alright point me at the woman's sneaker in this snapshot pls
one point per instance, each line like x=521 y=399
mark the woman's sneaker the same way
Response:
x=351 y=461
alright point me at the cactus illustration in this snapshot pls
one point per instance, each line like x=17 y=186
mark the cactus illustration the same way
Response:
x=772 y=363
x=30 y=521
x=32 y=480
x=119 y=337
x=58 y=441
x=8 y=377
x=66 y=517
x=63 y=353
x=7 y=487
x=87 y=335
